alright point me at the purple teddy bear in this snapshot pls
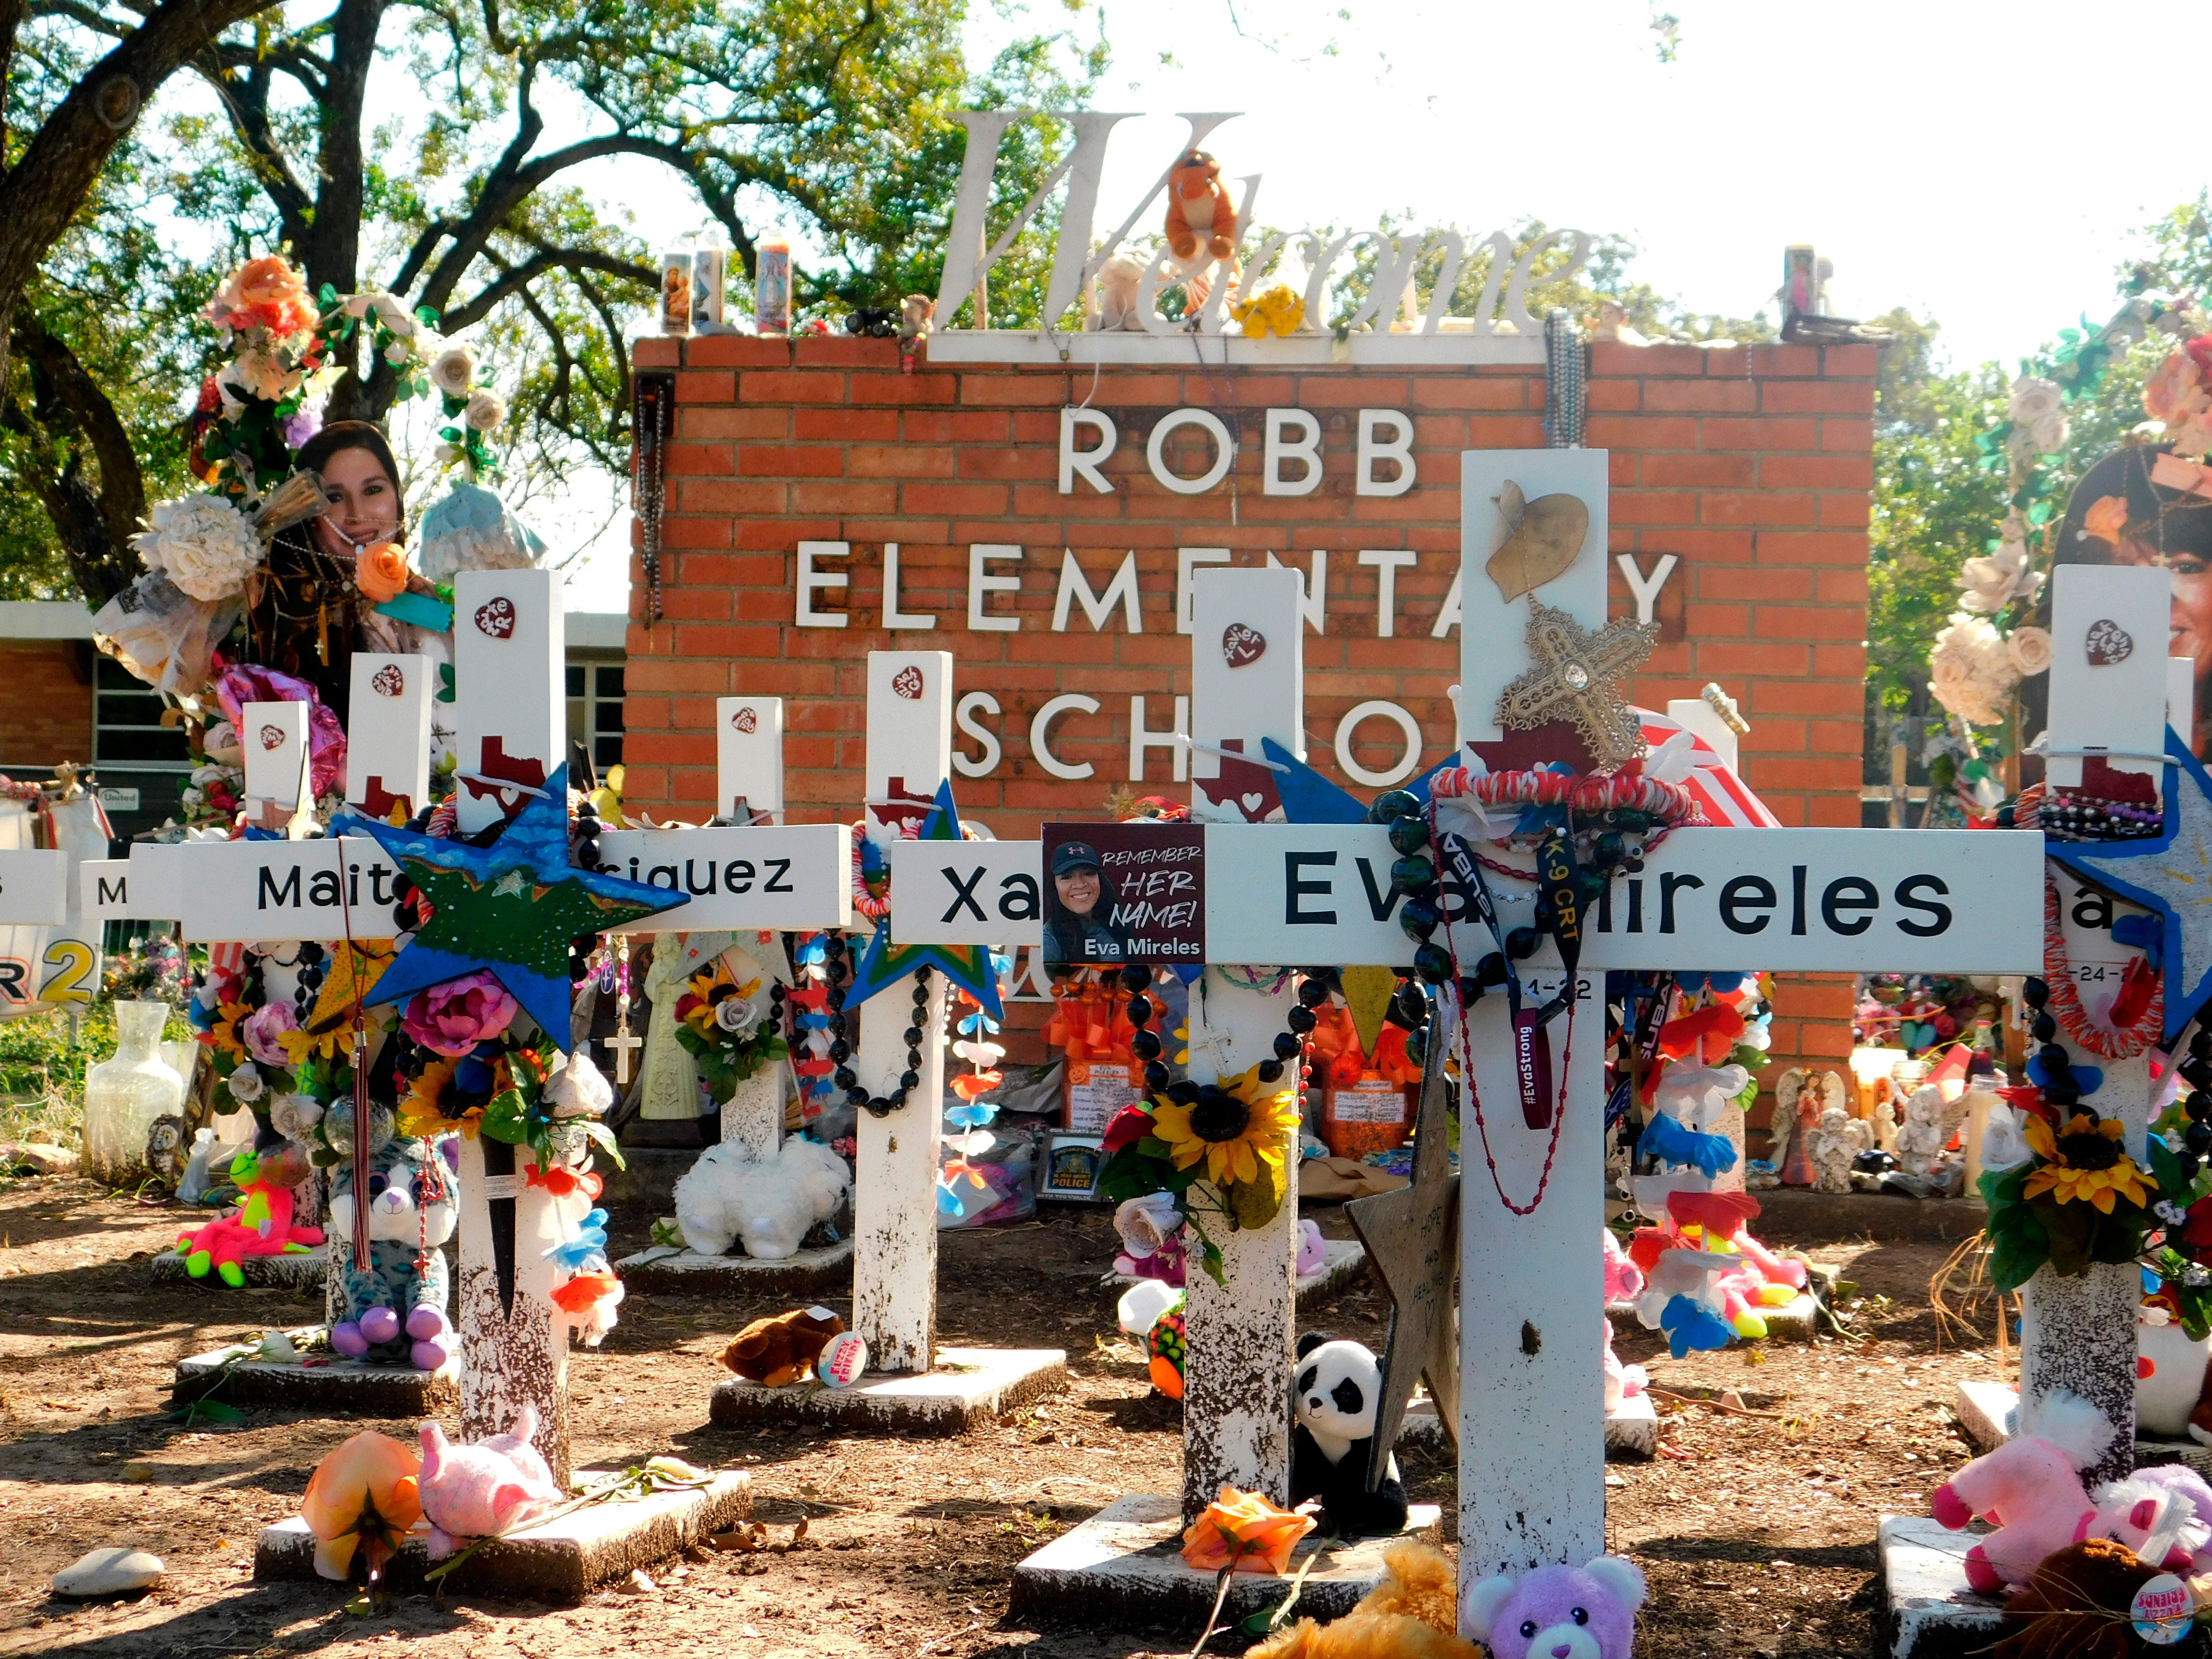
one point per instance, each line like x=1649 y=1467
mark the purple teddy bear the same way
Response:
x=1559 y=1612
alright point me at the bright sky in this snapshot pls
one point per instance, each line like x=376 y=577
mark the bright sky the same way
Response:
x=1942 y=155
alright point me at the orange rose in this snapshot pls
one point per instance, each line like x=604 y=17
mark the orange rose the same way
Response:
x=1243 y=1530
x=381 y=571
x=362 y=1494
x=266 y=293
x=2106 y=518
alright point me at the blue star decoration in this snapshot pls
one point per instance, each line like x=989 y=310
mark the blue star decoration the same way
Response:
x=2171 y=877
x=511 y=907
x=967 y=966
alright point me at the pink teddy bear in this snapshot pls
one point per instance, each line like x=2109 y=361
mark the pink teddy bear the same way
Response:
x=499 y=1485
x=2031 y=1488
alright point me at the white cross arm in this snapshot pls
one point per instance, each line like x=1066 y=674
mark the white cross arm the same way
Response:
x=35 y=887
x=739 y=878
x=232 y=891
x=967 y=892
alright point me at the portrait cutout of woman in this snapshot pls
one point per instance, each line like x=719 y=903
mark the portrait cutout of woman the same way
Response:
x=1079 y=910
x=2118 y=515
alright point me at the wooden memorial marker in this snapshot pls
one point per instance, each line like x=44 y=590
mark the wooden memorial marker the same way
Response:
x=1530 y=1451
x=273 y=737
x=388 y=733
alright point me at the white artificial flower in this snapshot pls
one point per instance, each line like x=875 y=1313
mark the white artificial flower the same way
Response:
x=2029 y=650
x=202 y=544
x=1970 y=670
x=2004 y=1140
x=449 y=453
x=295 y=1116
x=396 y=353
x=735 y=1014
x=246 y=1084
x=486 y=411
x=1146 y=1223
x=453 y=371
x=2039 y=415
x=577 y=1088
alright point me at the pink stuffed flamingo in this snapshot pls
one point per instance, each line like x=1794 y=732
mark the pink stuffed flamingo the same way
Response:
x=499 y=1485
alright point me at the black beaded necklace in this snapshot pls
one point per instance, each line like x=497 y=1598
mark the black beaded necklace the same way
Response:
x=838 y=970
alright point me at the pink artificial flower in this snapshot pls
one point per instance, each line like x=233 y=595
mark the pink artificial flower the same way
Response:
x=244 y=683
x=262 y=1028
x=454 y=1017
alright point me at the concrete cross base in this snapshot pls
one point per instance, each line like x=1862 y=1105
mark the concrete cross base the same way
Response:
x=802 y=1274
x=302 y=1273
x=562 y=1561
x=1122 y=1570
x=337 y=1387
x=1632 y=1434
x=1343 y=1260
x=1985 y=1413
x=1927 y=1611
x=969 y=1387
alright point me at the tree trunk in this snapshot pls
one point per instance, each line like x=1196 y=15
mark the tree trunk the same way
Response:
x=42 y=194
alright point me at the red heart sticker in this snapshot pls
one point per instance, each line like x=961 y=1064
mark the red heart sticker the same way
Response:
x=2108 y=643
x=496 y=617
x=272 y=737
x=388 y=681
x=1241 y=645
x=908 y=682
x=745 y=721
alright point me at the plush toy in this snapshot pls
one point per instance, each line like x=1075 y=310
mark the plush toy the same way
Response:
x=2030 y=1489
x=770 y=1204
x=260 y=1226
x=500 y=1485
x=1200 y=218
x=1333 y=1400
x=1624 y=1282
x=783 y=1348
x=1559 y=1612
x=2171 y=1374
x=394 y=1306
x=1167 y=1347
x=916 y=312
x=2165 y=1509
x=2075 y=1606
x=1411 y=1614
x=1118 y=280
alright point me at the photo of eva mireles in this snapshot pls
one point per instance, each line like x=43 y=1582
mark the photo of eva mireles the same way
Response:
x=1124 y=892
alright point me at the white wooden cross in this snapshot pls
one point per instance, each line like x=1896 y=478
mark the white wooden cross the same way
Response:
x=1531 y=1471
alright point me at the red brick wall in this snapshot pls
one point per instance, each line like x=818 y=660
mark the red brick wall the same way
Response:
x=46 y=703
x=1753 y=466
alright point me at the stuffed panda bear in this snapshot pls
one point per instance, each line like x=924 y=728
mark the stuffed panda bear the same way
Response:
x=1336 y=1389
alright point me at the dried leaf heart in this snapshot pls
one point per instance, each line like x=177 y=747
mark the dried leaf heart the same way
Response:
x=1543 y=537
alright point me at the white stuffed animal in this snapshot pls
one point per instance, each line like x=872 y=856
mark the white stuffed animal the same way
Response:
x=1118 y=279
x=768 y=1204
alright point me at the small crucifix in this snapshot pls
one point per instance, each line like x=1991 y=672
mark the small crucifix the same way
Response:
x=1577 y=675
x=624 y=1040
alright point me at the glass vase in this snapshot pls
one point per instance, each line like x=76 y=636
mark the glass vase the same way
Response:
x=123 y=1094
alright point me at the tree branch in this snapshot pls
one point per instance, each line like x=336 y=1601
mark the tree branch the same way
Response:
x=95 y=525
x=245 y=99
x=513 y=278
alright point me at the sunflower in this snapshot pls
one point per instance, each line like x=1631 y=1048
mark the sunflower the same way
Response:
x=1232 y=1126
x=423 y=1111
x=2084 y=1160
x=300 y=1046
x=229 y=1016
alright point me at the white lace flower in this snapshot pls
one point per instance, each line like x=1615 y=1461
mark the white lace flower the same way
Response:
x=295 y=1116
x=1146 y=1223
x=453 y=371
x=578 y=1088
x=486 y=411
x=202 y=544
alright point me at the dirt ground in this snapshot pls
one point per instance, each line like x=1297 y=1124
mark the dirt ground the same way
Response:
x=1757 y=1533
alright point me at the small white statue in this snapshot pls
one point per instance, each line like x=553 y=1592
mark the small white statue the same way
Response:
x=1926 y=1128
x=1839 y=1138
x=1117 y=282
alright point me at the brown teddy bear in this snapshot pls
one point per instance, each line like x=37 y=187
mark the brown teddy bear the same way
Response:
x=1199 y=214
x=783 y=1348
x=1413 y=1613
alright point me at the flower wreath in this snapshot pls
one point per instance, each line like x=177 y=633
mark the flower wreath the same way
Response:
x=719 y=1026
